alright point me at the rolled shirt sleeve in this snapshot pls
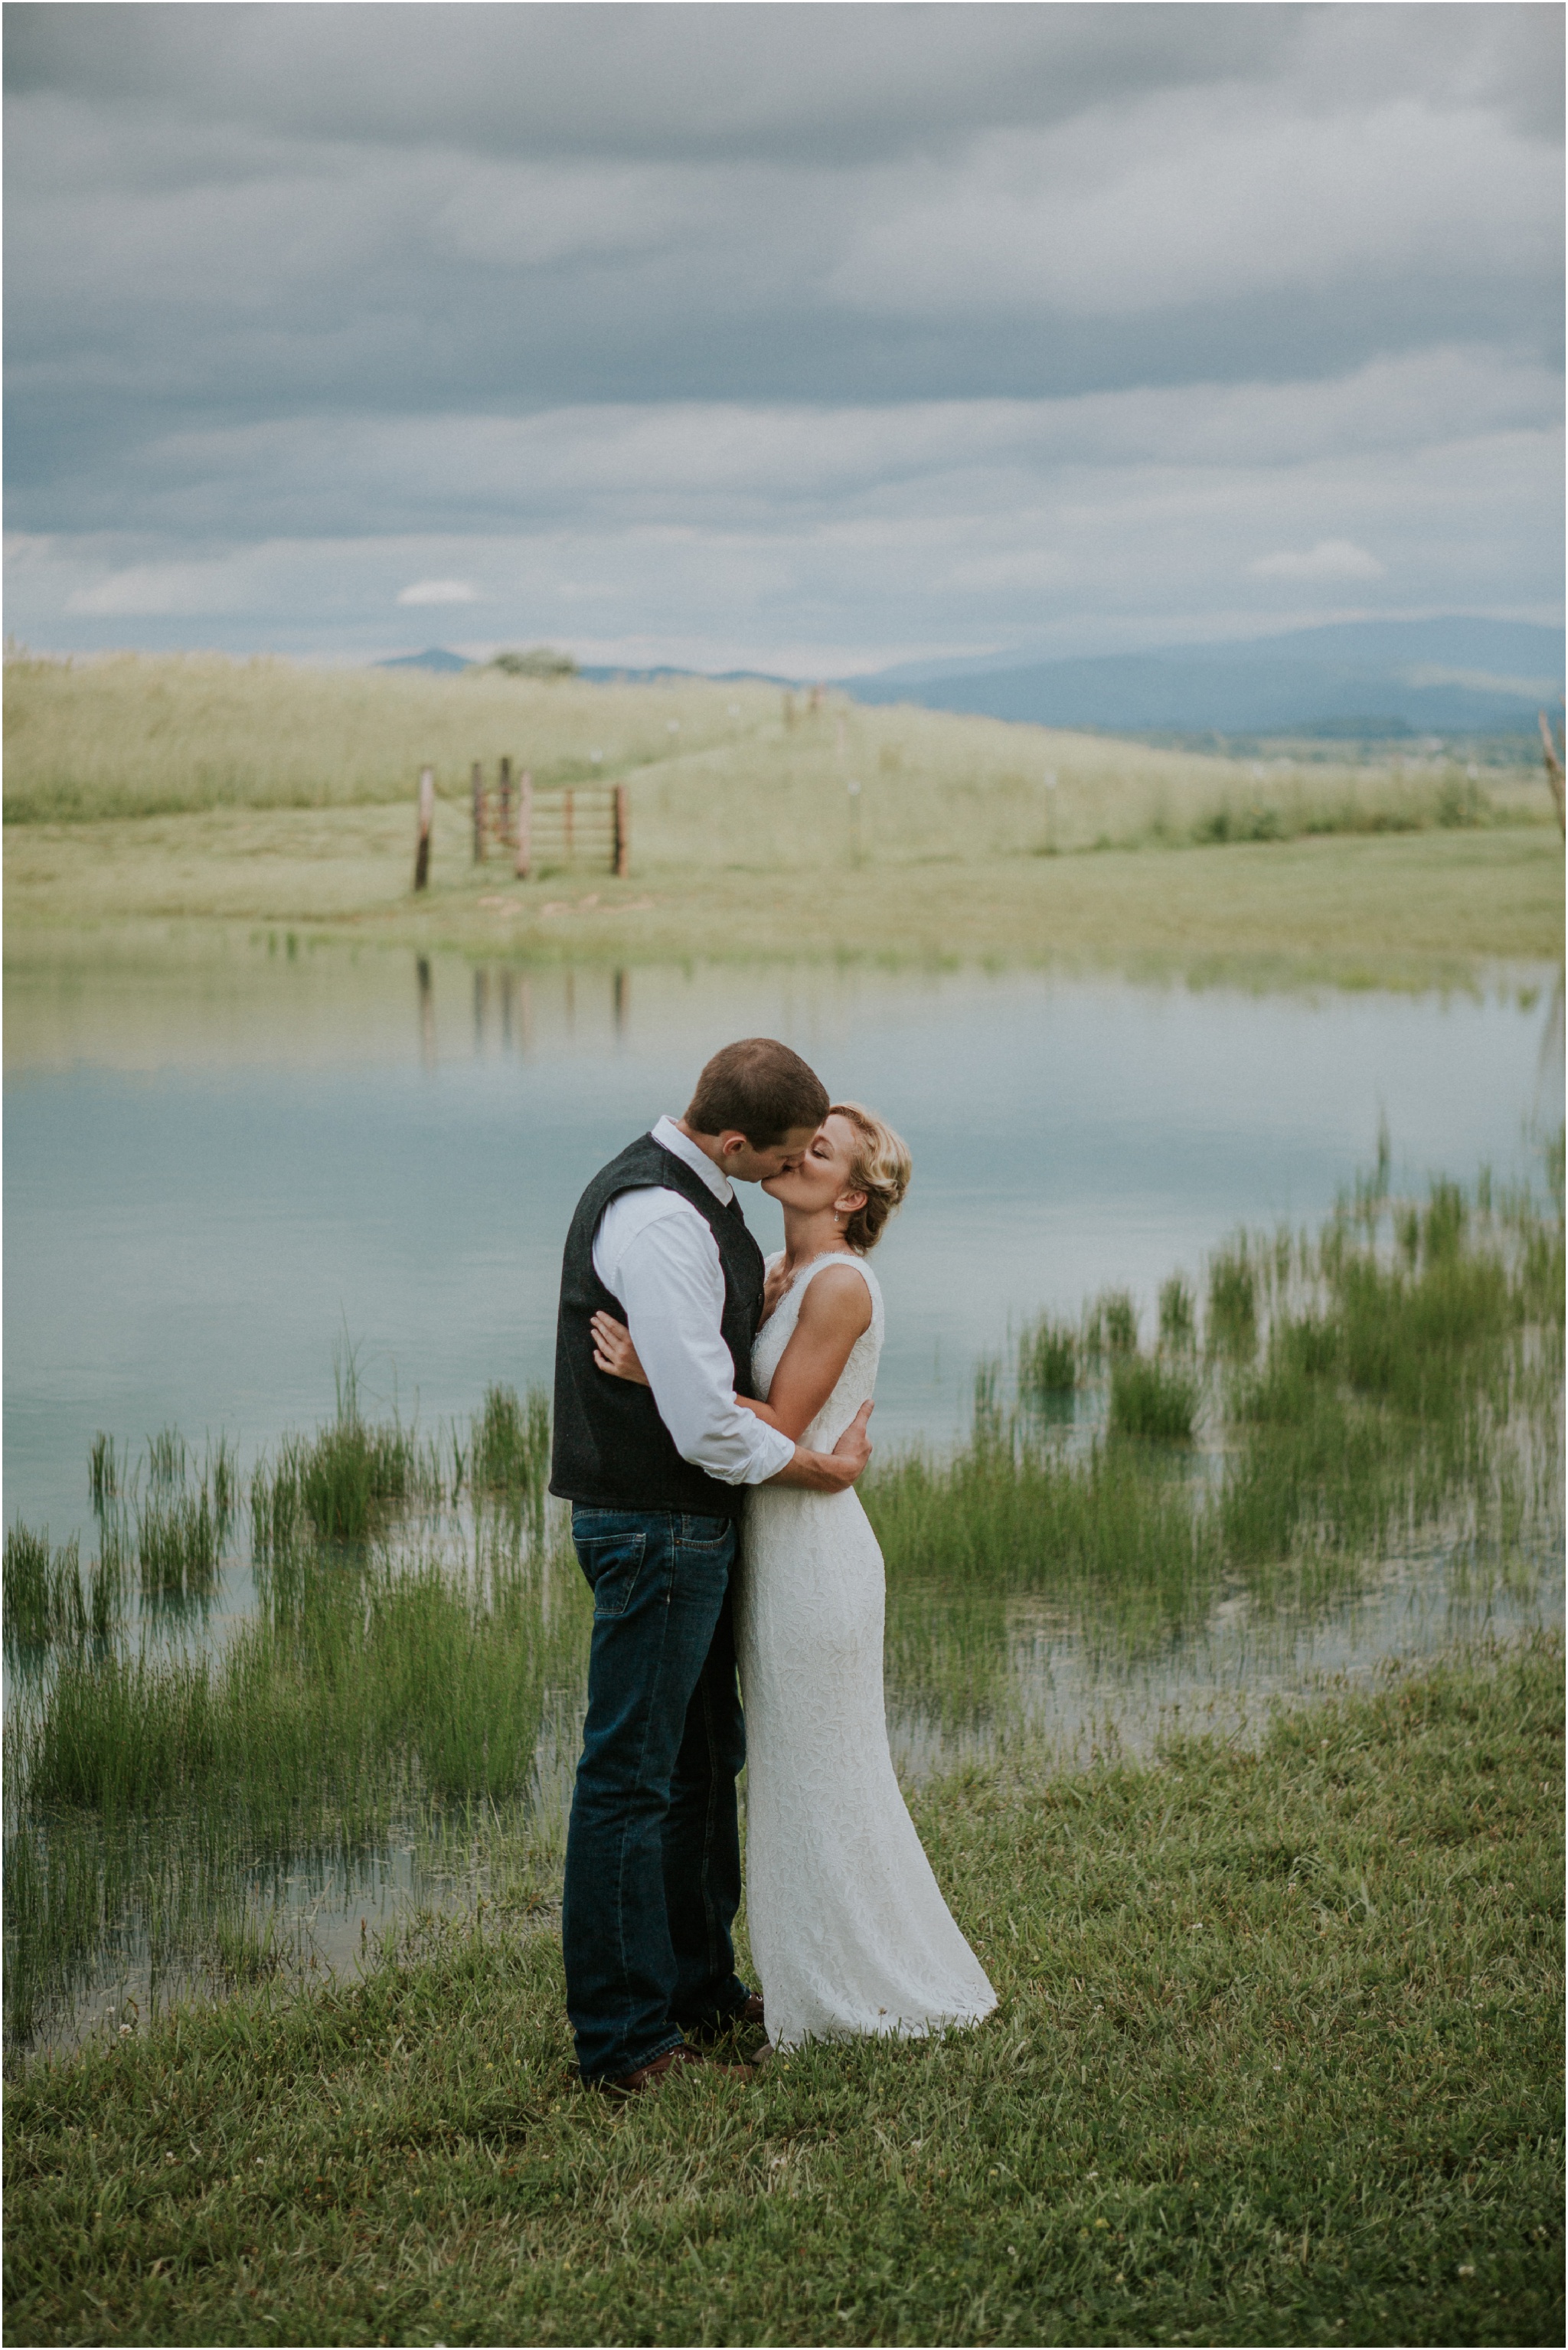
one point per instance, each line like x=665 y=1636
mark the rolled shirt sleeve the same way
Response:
x=655 y=1254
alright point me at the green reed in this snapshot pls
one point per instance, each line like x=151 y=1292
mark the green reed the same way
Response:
x=1396 y=1376
x=1048 y=1355
x=510 y=1446
x=371 y=1681
x=340 y=1484
x=1233 y=1302
x=42 y=1590
x=46 y=1603
x=1149 y=1398
x=1387 y=1385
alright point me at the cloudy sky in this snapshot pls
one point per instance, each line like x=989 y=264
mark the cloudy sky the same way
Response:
x=815 y=338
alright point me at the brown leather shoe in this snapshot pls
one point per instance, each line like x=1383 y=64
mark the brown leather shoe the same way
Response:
x=746 y=2018
x=649 y=2075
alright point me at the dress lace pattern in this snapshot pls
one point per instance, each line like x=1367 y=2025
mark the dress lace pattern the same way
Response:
x=848 y=1929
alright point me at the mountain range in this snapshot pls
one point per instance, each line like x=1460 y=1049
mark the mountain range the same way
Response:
x=1356 y=677
x=1352 y=678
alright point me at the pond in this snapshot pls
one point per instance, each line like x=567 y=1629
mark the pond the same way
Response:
x=223 y=1171
x=216 y=1170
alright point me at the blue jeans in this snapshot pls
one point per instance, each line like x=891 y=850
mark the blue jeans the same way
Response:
x=653 y=1851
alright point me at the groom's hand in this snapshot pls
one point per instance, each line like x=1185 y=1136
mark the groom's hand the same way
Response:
x=853 y=1449
x=834 y=1471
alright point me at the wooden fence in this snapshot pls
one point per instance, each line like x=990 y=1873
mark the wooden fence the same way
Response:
x=539 y=829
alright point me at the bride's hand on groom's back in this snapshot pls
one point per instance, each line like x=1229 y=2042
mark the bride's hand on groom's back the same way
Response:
x=614 y=1352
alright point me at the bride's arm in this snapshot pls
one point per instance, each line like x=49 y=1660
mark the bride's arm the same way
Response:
x=835 y=1311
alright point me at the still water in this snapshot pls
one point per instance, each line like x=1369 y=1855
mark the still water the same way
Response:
x=218 y=1171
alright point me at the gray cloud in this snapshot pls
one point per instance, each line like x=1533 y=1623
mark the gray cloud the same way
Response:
x=457 y=277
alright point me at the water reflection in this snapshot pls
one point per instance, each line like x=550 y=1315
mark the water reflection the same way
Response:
x=215 y=1167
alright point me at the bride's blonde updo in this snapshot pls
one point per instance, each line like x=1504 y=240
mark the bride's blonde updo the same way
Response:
x=879 y=1166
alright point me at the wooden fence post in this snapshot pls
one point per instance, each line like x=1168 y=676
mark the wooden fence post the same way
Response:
x=622 y=832
x=477 y=780
x=525 y=826
x=1553 y=767
x=427 y=819
x=504 y=826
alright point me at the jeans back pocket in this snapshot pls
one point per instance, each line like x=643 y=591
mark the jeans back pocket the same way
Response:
x=612 y=1562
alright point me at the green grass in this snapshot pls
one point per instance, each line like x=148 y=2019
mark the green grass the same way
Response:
x=510 y=1446
x=1152 y=1399
x=166 y=894
x=42 y=1590
x=1276 y=2062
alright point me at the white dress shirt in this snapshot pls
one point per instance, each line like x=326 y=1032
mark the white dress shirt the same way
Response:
x=655 y=1254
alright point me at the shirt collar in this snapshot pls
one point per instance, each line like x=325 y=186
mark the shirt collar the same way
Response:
x=668 y=1137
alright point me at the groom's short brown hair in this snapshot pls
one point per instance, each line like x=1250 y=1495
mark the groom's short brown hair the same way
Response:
x=758 y=1088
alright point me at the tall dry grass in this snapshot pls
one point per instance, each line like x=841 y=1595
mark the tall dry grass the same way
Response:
x=720 y=776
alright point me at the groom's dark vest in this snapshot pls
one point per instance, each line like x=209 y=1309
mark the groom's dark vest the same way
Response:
x=611 y=1449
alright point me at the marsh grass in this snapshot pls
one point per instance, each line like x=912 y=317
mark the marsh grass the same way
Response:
x=1393 y=1393
x=510 y=1445
x=1276 y=2061
x=44 y=1601
x=47 y=1604
x=1177 y=1314
x=342 y=1483
x=1232 y=1319
x=1152 y=1399
x=1048 y=1359
x=370 y=1682
x=1362 y=1395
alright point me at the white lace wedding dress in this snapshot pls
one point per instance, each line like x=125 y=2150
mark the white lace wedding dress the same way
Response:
x=848 y=1930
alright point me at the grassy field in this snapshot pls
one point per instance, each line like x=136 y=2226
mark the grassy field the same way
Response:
x=1276 y=2061
x=1415 y=909
x=142 y=792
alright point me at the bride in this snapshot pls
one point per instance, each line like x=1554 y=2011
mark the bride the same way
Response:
x=848 y=1930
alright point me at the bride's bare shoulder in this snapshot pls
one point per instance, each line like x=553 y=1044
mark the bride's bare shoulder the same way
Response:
x=837 y=1297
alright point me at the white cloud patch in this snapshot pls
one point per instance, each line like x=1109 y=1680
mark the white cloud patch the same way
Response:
x=438 y=591
x=200 y=590
x=1189 y=199
x=1331 y=558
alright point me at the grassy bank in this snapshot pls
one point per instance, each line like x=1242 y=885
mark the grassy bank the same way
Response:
x=1276 y=2062
x=1416 y=910
x=142 y=791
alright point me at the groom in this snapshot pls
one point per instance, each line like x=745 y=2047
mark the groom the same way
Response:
x=656 y=1477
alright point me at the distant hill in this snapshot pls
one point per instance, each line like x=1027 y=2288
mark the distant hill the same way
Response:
x=436 y=657
x=598 y=674
x=1377 y=677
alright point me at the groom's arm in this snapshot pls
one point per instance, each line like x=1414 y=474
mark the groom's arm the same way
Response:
x=655 y=1254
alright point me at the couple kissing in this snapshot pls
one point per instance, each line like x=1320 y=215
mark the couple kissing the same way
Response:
x=710 y=1419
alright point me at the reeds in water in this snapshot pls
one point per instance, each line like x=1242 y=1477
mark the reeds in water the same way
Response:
x=511 y=1444
x=1153 y=1399
x=340 y=1484
x=1048 y=1355
x=1369 y=1384
x=43 y=1591
x=46 y=1603
x=1232 y=1302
